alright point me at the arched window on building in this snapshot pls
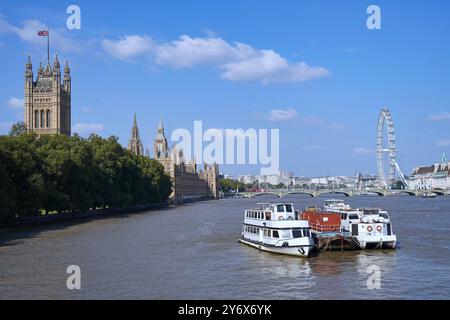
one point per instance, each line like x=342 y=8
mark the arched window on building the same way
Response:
x=48 y=118
x=42 y=119
x=36 y=119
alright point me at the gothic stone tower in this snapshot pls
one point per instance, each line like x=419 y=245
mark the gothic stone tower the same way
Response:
x=135 y=144
x=211 y=176
x=47 y=101
x=160 y=145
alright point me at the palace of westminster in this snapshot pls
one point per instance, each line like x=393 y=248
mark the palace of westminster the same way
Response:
x=48 y=111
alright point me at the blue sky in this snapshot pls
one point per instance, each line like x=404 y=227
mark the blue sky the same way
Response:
x=310 y=68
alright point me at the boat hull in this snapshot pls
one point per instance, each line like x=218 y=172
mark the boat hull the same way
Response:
x=301 y=250
x=335 y=242
x=385 y=242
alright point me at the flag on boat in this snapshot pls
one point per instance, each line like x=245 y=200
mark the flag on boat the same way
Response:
x=43 y=33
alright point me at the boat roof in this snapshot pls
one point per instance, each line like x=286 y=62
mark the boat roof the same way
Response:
x=334 y=200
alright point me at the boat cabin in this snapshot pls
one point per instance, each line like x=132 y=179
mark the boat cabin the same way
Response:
x=277 y=211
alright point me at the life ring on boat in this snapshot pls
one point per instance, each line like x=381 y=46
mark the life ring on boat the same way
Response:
x=379 y=228
x=369 y=228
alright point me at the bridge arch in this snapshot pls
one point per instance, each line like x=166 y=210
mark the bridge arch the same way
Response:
x=345 y=193
x=408 y=192
x=377 y=192
x=311 y=194
x=258 y=194
x=439 y=192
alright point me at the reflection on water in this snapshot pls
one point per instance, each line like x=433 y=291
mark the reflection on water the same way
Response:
x=192 y=251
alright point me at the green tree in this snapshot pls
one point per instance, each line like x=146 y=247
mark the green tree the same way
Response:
x=56 y=173
x=18 y=129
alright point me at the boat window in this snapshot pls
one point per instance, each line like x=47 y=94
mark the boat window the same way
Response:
x=285 y=233
x=269 y=232
x=275 y=234
x=297 y=233
x=288 y=208
x=353 y=216
x=344 y=216
x=280 y=208
x=268 y=215
x=384 y=215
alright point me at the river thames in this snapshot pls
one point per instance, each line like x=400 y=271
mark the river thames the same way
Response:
x=191 y=252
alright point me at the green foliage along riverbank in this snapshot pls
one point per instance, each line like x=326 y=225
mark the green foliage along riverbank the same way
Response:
x=56 y=173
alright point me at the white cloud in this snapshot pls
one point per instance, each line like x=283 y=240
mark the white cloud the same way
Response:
x=59 y=38
x=14 y=102
x=363 y=151
x=443 y=143
x=314 y=147
x=87 y=128
x=238 y=61
x=278 y=115
x=444 y=115
x=188 y=52
x=128 y=47
x=269 y=67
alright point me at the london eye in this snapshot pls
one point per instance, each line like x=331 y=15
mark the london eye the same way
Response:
x=387 y=150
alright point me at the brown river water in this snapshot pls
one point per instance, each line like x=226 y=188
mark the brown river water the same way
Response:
x=191 y=252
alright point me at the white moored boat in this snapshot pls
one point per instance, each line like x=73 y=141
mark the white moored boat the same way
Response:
x=429 y=195
x=275 y=228
x=335 y=204
x=372 y=228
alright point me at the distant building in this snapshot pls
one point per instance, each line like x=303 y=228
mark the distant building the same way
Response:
x=135 y=144
x=436 y=176
x=282 y=177
x=47 y=100
x=188 y=183
x=248 y=179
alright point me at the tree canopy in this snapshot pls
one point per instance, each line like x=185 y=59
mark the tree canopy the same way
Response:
x=56 y=173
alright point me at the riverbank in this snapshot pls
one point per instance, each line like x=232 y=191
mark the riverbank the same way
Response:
x=66 y=216
x=28 y=221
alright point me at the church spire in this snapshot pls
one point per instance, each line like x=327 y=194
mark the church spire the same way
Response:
x=135 y=144
x=160 y=127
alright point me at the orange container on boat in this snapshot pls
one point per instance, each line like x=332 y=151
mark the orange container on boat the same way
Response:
x=322 y=221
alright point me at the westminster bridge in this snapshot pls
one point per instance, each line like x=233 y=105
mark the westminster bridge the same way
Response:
x=280 y=193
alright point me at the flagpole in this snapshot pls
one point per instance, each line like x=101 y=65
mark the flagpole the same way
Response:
x=48 y=44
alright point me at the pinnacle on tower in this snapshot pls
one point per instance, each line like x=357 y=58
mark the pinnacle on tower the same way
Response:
x=29 y=65
x=56 y=62
x=135 y=144
x=29 y=69
x=41 y=69
x=66 y=67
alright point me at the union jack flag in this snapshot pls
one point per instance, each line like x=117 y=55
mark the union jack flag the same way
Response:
x=43 y=33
